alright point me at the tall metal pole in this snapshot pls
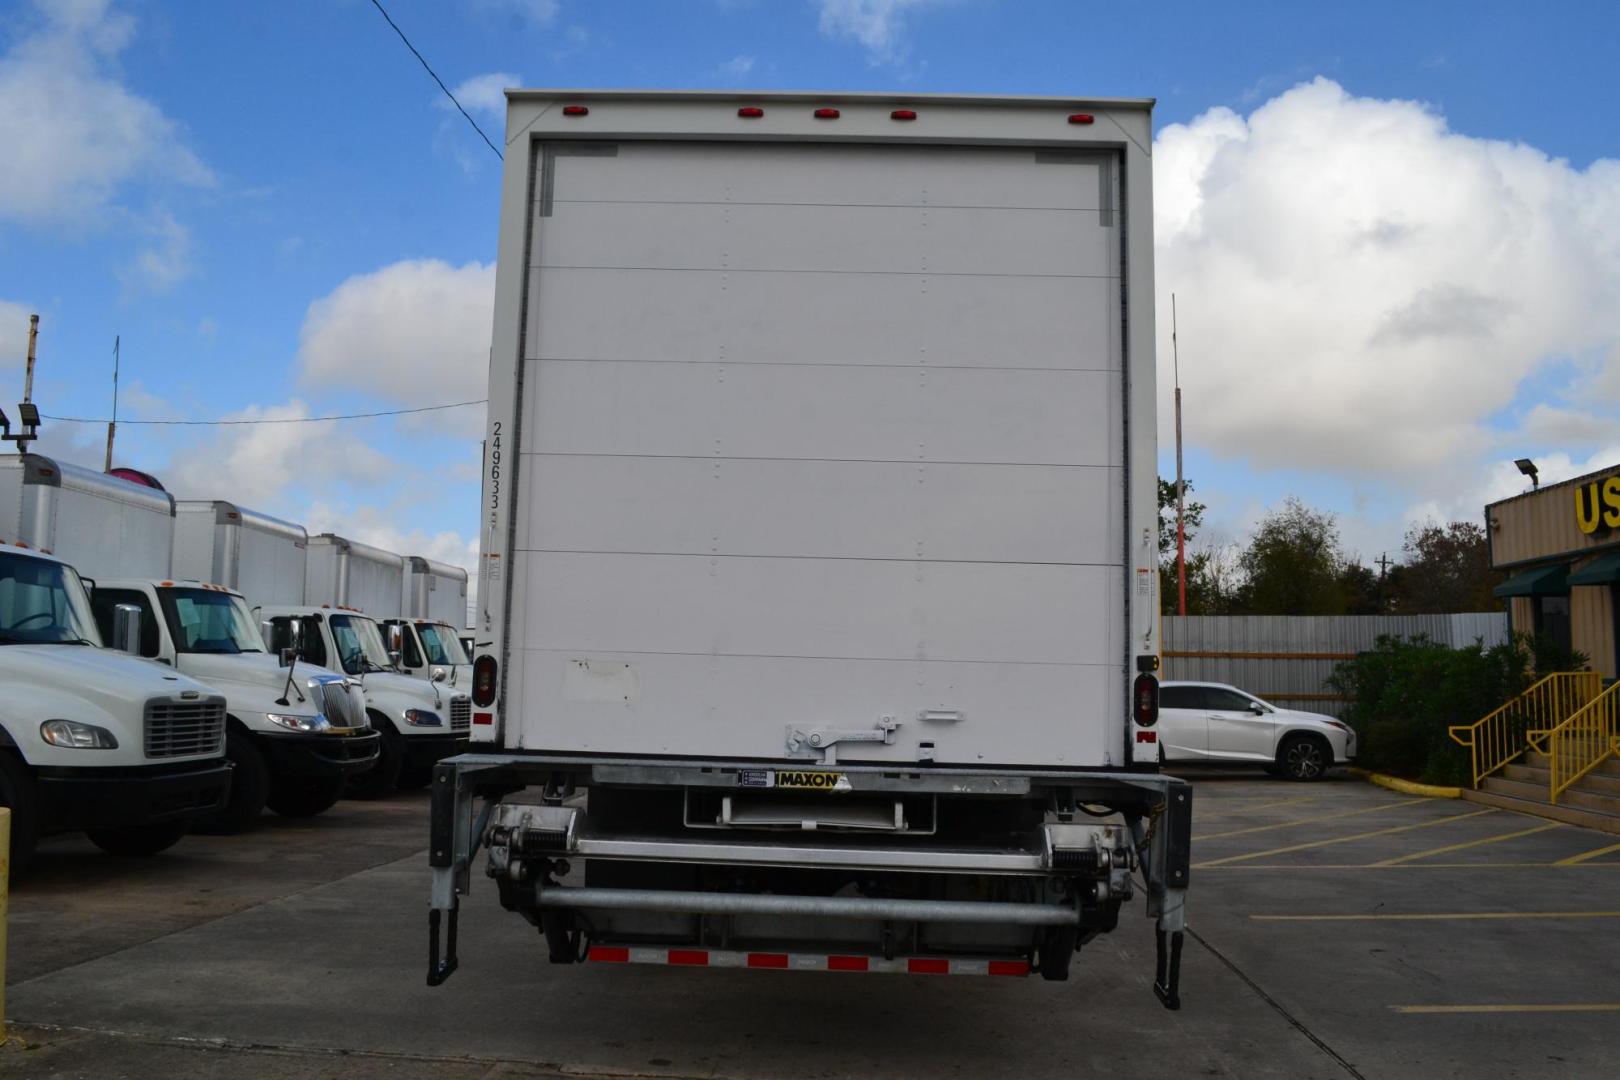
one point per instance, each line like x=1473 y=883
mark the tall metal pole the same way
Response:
x=33 y=336
x=112 y=425
x=1181 y=486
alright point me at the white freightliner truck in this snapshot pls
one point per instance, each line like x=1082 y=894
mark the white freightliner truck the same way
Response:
x=819 y=538
x=91 y=738
x=432 y=614
x=295 y=733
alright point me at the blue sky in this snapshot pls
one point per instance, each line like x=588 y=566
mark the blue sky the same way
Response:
x=275 y=209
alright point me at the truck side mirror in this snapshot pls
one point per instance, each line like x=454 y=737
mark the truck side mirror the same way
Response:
x=127 y=629
x=267 y=634
x=439 y=674
x=295 y=627
x=393 y=657
x=286 y=656
x=396 y=639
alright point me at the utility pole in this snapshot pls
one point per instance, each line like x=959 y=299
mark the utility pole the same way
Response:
x=1181 y=486
x=1383 y=569
x=112 y=425
x=33 y=336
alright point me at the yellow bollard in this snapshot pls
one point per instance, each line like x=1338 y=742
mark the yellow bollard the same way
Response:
x=5 y=892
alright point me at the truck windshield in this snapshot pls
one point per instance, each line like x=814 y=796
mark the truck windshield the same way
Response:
x=206 y=621
x=43 y=602
x=359 y=644
x=441 y=644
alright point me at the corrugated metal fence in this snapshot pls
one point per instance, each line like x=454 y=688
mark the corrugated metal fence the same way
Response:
x=1287 y=659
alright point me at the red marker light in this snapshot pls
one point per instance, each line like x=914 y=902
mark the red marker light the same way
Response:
x=750 y=112
x=1145 y=700
x=903 y=114
x=1081 y=118
x=826 y=114
x=575 y=110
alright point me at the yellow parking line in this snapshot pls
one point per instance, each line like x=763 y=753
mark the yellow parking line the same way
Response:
x=1214 y=805
x=1469 y=843
x=1440 y=917
x=1576 y=860
x=1311 y=820
x=1574 y=1007
x=1339 y=839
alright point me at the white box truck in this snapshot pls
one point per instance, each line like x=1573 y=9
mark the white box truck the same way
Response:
x=295 y=733
x=92 y=739
x=433 y=609
x=347 y=573
x=264 y=560
x=819 y=538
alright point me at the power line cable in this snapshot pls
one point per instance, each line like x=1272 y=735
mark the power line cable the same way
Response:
x=426 y=67
x=269 y=419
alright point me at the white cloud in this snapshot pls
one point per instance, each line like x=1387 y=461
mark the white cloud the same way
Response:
x=738 y=67
x=166 y=259
x=1501 y=479
x=535 y=12
x=878 y=26
x=73 y=134
x=484 y=93
x=1361 y=289
x=415 y=333
x=260 y=464
x=14 y=333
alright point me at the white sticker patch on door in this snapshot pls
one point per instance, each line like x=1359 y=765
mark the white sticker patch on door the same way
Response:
x=601 y=682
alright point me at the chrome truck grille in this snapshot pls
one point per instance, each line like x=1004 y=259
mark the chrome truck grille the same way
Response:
x=460 y=713
x=180 y=728
x=342 y=703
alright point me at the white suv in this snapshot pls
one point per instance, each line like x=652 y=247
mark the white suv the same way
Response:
x=1217 y=724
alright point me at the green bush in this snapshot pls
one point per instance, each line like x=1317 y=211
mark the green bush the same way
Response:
x=1403 y=693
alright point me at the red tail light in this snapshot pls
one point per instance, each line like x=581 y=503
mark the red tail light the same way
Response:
x=903 y=114
x=827 y=114
x=1144 y=697
x=575 y=110
x=1081 y=118
x=485 y=669
x=750 y=112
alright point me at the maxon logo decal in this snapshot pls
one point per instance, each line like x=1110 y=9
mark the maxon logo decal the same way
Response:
x=803 y=780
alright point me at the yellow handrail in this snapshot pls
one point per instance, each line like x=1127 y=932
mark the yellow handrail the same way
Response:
x=1503 y=735
x=1581 y=743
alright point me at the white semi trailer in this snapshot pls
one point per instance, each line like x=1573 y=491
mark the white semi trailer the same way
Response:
x=819 y=538
x=295 y=733
x=347 y=573
x=261 y=557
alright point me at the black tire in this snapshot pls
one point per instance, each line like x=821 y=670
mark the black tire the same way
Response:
x=304 y=796
x=1056 y=952
x=143 y=840
x=415 y=777
x=21 y=797
x=379 y=781
x=250 y=784
x=1304 y=757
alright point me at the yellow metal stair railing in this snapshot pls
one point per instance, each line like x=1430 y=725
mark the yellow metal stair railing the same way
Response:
x=1502 y=736
x=1582 y=743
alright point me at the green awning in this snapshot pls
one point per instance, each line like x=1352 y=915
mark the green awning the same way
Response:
x=1540 y=581
x=1605 y=571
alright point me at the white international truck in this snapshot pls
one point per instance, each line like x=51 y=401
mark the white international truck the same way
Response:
x=92 y=739
x=819 y=538
x=432 y=614
x=420 y=712
x=295 y=733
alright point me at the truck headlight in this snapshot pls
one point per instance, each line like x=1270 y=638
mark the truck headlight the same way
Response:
x=298 y=723
x=76 y=736
x=422 y=718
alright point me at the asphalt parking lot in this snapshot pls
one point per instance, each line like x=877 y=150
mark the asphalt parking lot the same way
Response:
x=1339 y=930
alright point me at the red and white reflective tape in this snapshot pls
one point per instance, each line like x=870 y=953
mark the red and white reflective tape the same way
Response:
x=781 y=961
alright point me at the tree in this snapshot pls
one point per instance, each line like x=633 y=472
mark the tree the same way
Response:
x=1448 y=569
x=1362 y=591
x=1293 y=565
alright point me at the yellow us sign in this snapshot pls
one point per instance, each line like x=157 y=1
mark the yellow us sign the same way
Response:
x=1597 y=505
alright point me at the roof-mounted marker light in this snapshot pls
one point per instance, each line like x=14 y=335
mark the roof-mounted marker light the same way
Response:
x=1081 y=118
x=903 y=114
x=575 y=110
x=750 y=112
x=826 y=114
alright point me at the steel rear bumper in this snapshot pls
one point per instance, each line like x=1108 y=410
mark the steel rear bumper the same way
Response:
x=122 y=798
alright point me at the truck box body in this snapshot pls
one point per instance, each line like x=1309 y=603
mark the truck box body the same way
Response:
x=346 y=572
x=434 y=591
x=101 y=525
x=804 y=424
x=259 y=556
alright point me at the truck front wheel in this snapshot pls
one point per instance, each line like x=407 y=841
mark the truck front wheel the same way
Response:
x=305 y=796
x=144 y=840
x=18 y=794
x=381 y=779
x=250 y=780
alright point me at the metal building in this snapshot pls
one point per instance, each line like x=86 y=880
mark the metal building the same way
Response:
x=1561 y=546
